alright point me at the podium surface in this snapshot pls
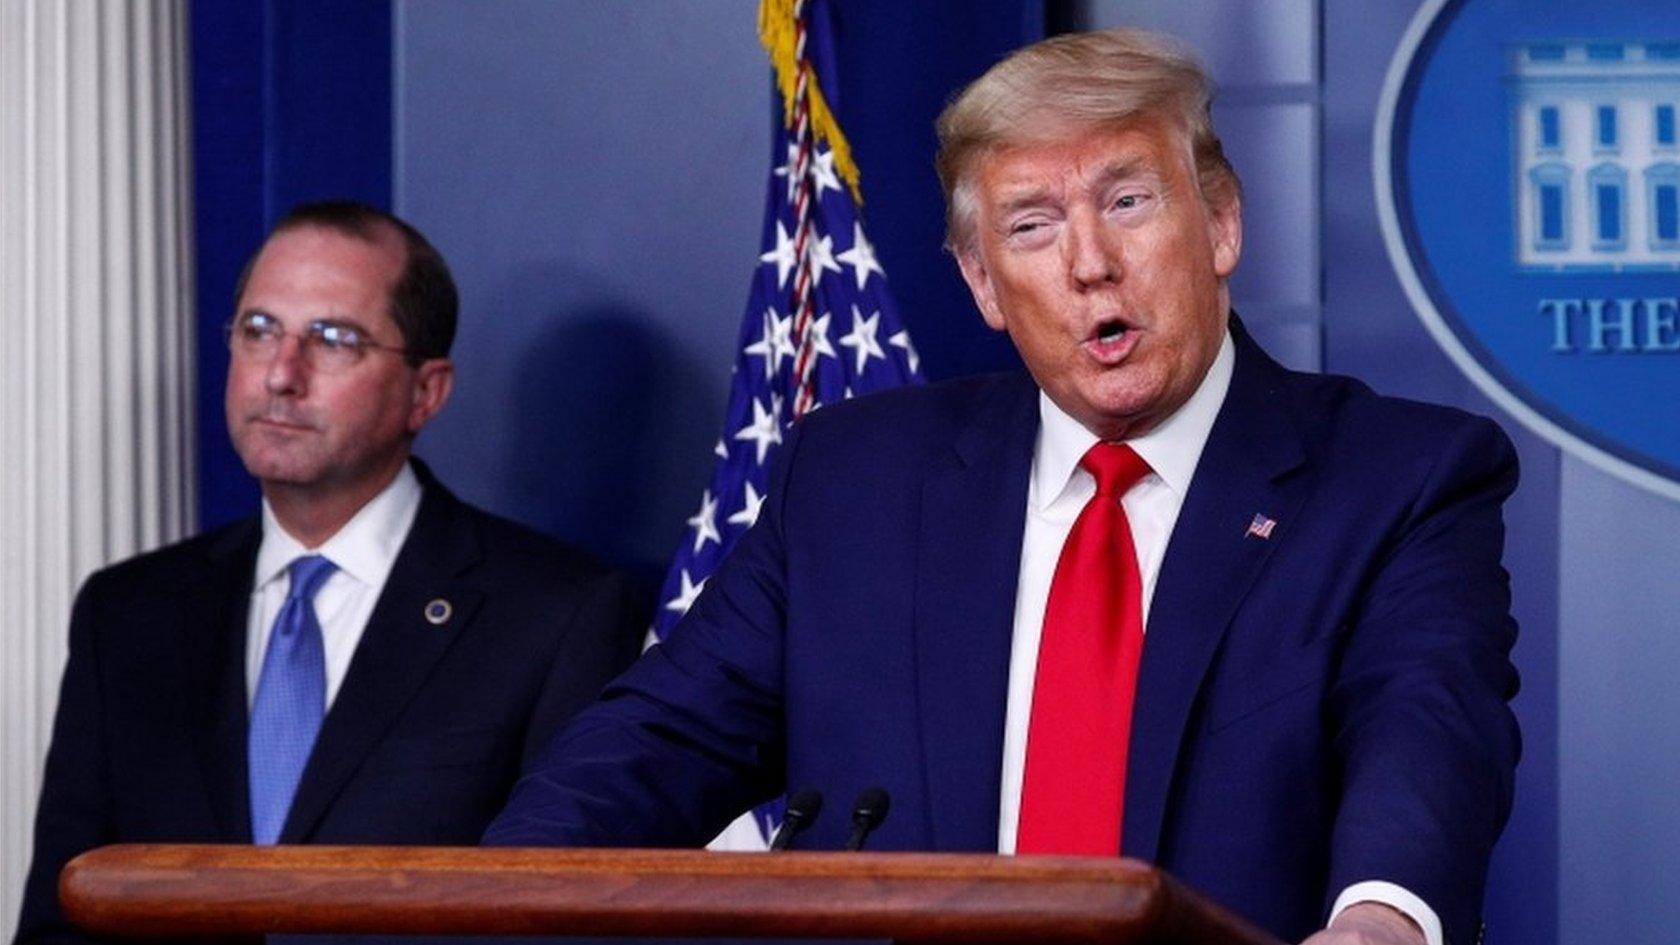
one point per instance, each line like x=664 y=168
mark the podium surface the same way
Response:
x=136 y=890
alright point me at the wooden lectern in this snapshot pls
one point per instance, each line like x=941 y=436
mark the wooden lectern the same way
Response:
x=214 y=890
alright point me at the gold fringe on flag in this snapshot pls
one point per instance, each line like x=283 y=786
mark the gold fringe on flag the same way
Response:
x=776 y=32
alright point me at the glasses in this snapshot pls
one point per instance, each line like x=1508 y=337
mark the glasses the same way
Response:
x=328 y=346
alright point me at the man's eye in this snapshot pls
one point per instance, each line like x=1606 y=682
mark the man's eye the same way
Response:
x=258 y=328
x=1128 y=201
x=337 y=336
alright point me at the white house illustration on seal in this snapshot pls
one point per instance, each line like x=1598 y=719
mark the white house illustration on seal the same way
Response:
x=1596 y=144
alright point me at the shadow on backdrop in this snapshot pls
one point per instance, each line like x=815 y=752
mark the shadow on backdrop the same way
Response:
x=611 y=430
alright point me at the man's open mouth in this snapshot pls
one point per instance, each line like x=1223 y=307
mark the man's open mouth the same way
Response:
x=1110 y=332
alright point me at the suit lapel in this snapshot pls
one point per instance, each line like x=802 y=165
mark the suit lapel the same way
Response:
x=1245 y=470
x=397 y=652
x=968 y=560
x=213 y=645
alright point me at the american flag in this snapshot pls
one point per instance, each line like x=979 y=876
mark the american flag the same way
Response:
x=820 y=325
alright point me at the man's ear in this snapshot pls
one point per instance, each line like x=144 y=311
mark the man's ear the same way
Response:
x=433 y=380
x=1225 y=232
x=980 y=284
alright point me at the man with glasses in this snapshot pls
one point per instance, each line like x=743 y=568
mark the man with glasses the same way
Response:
x=368 y=661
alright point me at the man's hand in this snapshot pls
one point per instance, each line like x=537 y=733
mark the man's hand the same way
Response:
x=1369 y=923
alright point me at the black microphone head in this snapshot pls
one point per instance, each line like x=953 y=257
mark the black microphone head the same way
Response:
x=871 y=807
x=804 y=805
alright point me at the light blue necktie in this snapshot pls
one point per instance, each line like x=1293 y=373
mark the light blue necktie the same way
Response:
x=291 y=699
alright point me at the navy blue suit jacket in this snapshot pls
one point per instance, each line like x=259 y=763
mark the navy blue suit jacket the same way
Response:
x=1321 y=707
x=429 y=730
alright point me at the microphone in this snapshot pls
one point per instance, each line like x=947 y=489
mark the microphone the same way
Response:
x=803 y=806
x=868 y=811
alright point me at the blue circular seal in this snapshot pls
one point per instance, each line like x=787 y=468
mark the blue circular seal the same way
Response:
x=1527 y=163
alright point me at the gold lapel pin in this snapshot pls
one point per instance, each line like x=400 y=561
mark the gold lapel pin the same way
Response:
x=438 y=612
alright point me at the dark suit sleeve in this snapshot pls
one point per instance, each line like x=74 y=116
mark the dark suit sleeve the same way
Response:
x=74 y=814
x=691 y=735
x=1419 y=708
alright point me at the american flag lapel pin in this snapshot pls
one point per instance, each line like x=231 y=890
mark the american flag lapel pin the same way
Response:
x=1260 y=527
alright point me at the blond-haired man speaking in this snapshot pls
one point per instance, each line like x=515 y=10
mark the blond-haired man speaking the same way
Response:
x=1158 y=596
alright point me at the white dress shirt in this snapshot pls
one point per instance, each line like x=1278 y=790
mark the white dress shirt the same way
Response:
x=1056 y=492
x=364 y=551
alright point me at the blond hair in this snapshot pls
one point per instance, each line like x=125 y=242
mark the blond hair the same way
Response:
x=1069 y=83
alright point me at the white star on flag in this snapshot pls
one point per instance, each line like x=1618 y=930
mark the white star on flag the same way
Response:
x=861 y=257
x=821 y=253
x=764 y=431
x=685 y=598
x=776 y=344
x=818 y=334
x=704 y=522
x=748 y=515
x=782 y=255
x=902 y=340
x=862 y=338
x=786 y=170
x=720 y=450
x=822 y=173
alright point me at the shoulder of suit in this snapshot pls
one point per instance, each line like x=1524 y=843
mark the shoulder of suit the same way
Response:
x=185 y=560
x=1342 y=416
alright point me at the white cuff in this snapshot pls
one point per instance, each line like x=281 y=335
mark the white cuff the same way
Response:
x=1395 y=897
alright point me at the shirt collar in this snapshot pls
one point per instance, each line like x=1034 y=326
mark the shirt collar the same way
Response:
x=1171 y=449
x=365 y=548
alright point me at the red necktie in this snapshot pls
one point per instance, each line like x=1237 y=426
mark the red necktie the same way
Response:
x=1075 y=780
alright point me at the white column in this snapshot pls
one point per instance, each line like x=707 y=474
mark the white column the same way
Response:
x=96 y=339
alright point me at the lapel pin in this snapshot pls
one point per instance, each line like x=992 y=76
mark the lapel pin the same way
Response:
x=1261 y=527
x=438 y=612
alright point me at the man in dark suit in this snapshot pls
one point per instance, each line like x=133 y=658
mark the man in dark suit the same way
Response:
x=1163 y=598
x=369 y=661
